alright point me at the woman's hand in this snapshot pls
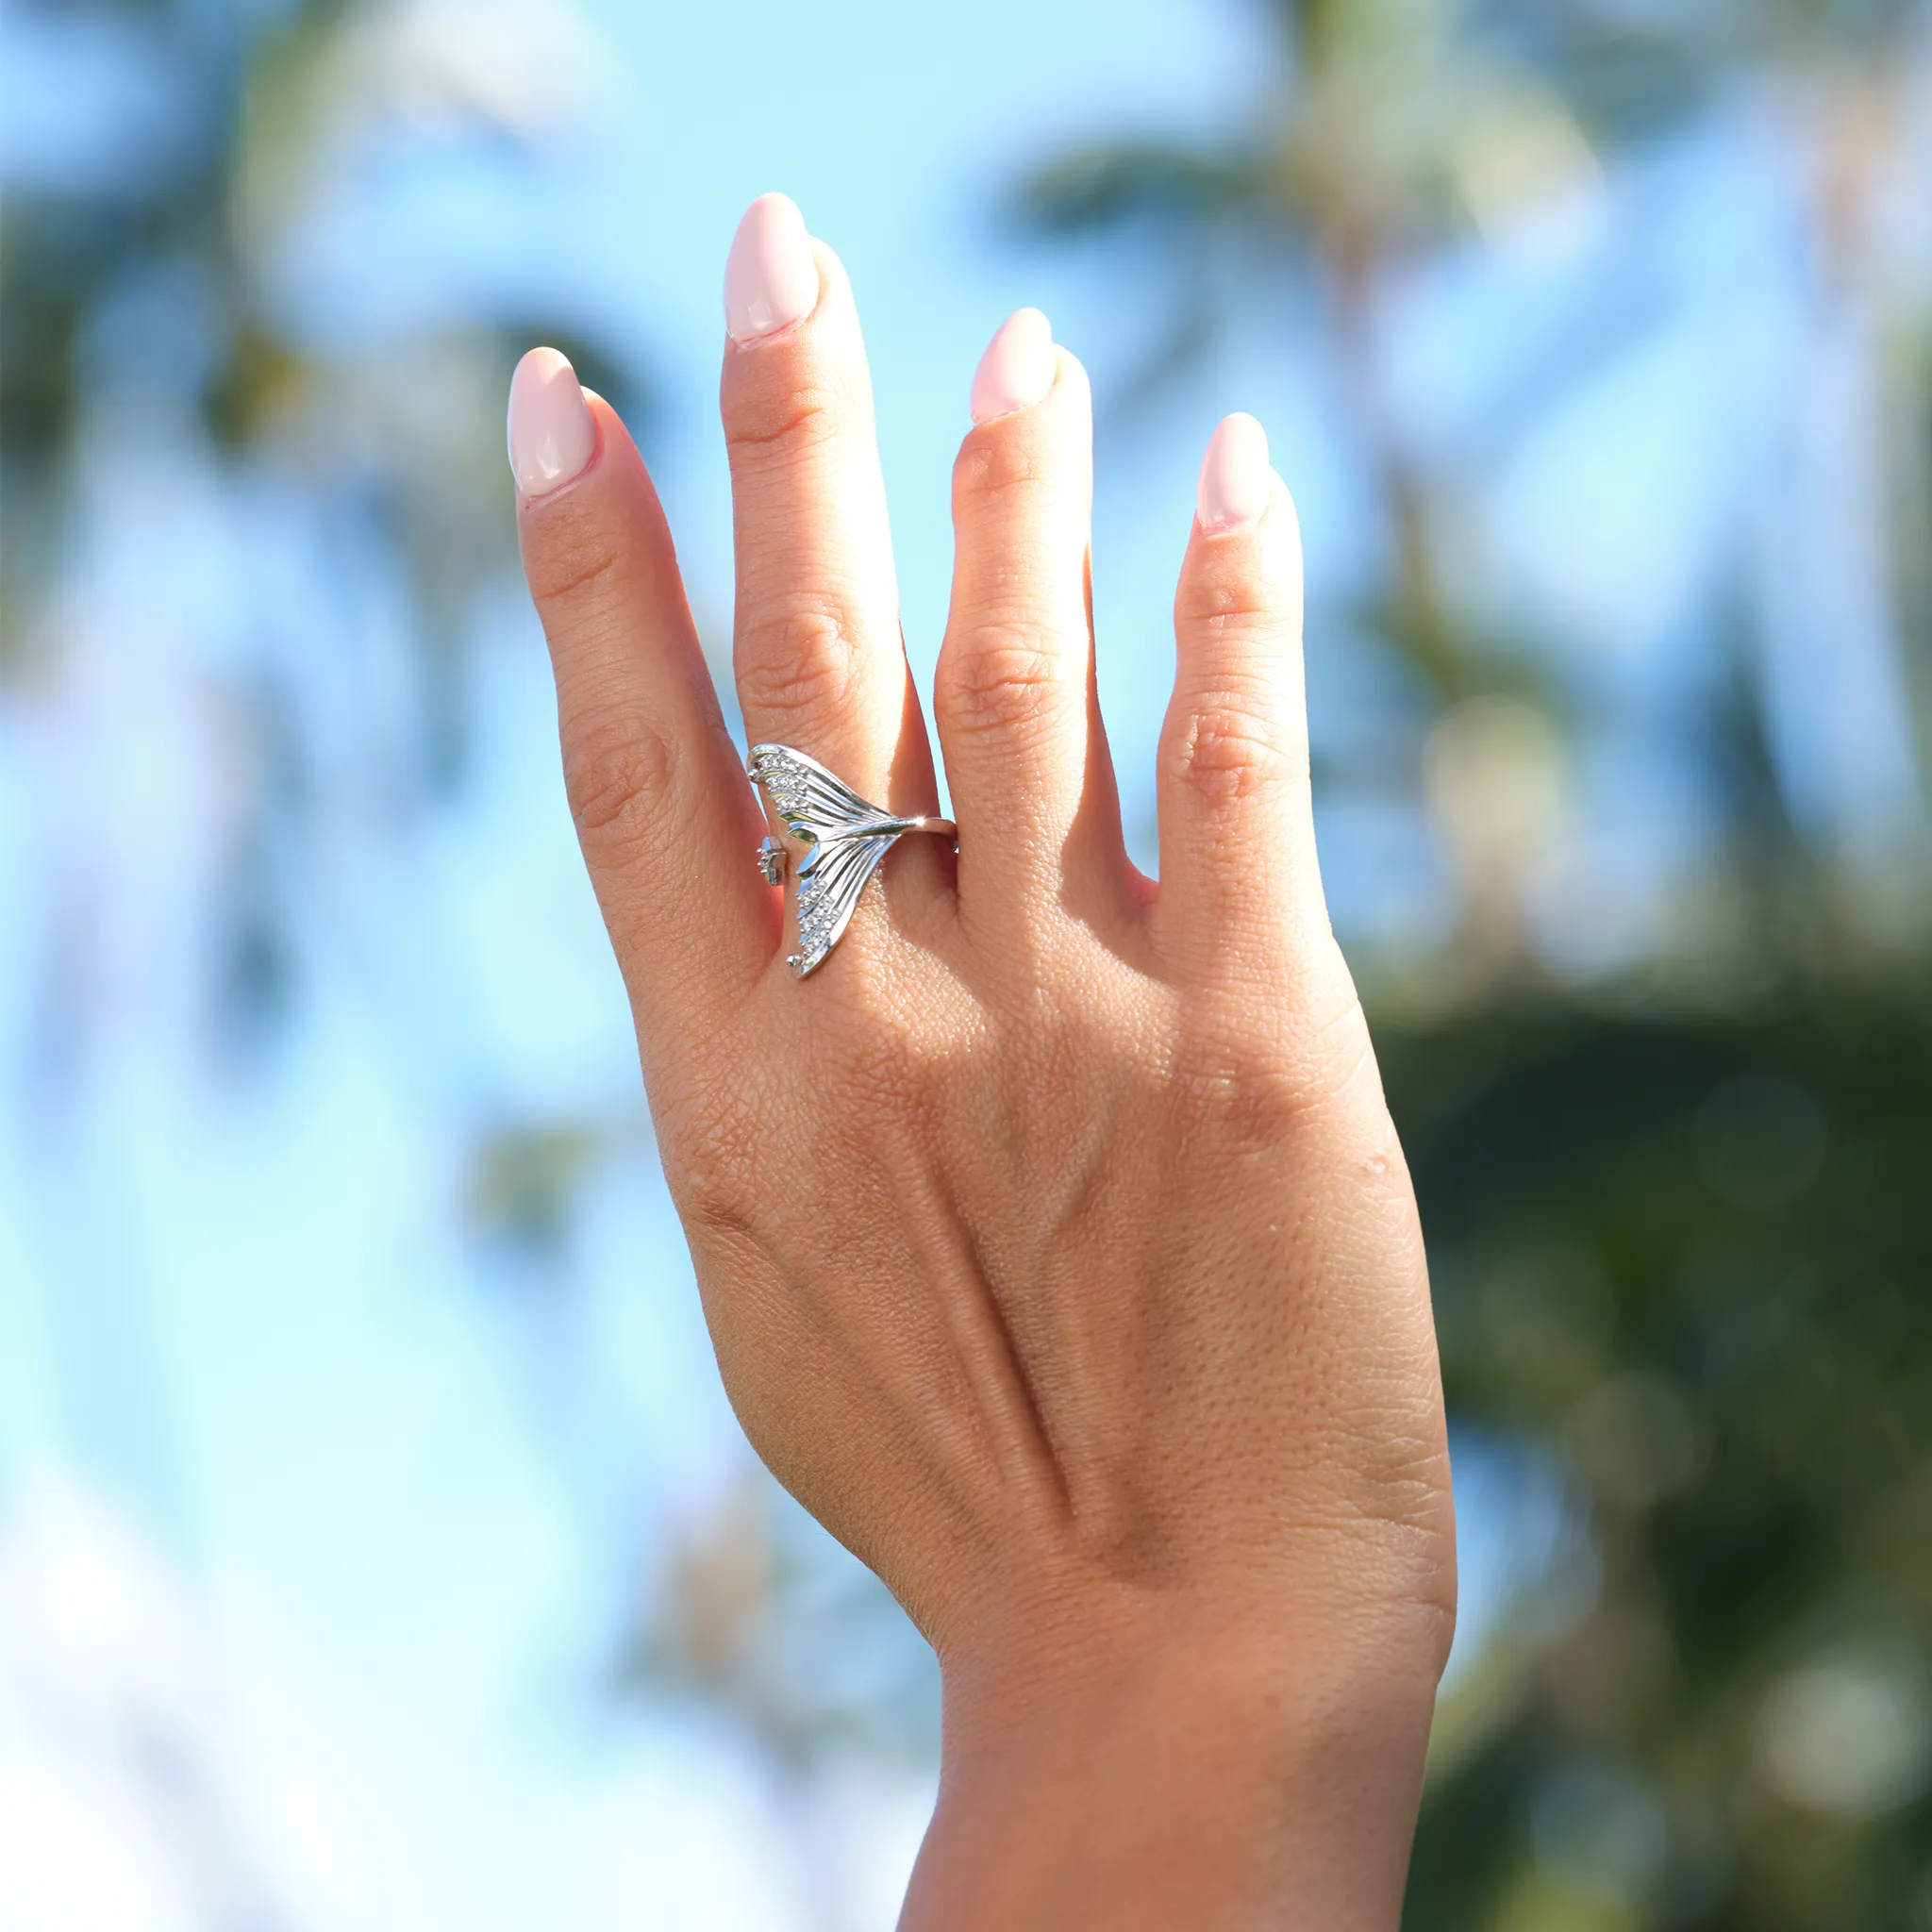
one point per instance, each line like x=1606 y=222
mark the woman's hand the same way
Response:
x=1053 y=1237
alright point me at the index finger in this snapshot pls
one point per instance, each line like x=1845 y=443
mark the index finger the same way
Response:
x=667 y=821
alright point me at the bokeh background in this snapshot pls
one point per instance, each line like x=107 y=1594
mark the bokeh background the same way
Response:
x=377 y=1548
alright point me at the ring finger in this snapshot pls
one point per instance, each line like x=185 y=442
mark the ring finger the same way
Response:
x=1014 y=694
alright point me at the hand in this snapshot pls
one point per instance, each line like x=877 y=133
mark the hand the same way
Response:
x=1055 y=1244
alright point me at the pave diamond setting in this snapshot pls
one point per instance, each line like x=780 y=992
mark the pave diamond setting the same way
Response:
x=846 y=837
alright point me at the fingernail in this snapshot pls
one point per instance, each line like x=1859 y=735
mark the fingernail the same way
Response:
x=1235 y=482
x=770 y=280
x=1017 y=369
x=551 y=434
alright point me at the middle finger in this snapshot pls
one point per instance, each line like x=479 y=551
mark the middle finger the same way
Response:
x=820 y=660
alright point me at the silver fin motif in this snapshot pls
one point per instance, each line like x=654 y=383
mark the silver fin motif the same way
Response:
x=848 y=837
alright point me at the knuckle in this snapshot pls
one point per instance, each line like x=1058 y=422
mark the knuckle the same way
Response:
x=574 y=566
x=1262 y=1055
x=1253 y=1099
x=1239 y=605
x=1229 y=594
x=796 y=661
x=1226 y=749
x=718 y=1204
x=708 y=1133
x=708 y=1176
x=1005 y=678
x=997 y=469
x=620 y=780
x=785 y=423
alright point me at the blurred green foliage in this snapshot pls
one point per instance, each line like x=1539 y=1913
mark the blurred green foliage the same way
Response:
x=1680 y=1220
x=1691 y=1253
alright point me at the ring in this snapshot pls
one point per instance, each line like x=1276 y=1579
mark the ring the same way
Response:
x=848 y=837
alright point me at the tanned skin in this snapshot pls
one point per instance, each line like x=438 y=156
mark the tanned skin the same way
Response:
x=1057 y=1247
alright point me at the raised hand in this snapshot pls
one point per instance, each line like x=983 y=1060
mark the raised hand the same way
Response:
x=1055 y=1244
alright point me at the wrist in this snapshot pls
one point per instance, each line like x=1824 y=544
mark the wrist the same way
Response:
x=1175 y=1773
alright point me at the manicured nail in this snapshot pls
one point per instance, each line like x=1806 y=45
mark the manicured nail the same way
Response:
x=1016 y=372
x=1235 y=482
x=551 y=434
x=770 y=280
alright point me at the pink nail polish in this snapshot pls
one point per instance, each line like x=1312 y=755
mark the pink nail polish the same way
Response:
x=1235 y=482
x=771 y=279
x=551 y=434
x=1017 y=369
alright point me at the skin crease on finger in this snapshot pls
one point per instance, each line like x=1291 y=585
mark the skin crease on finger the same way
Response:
x=1055 y=1244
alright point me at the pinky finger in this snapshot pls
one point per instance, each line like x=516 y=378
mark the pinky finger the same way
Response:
x=1239 y=886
